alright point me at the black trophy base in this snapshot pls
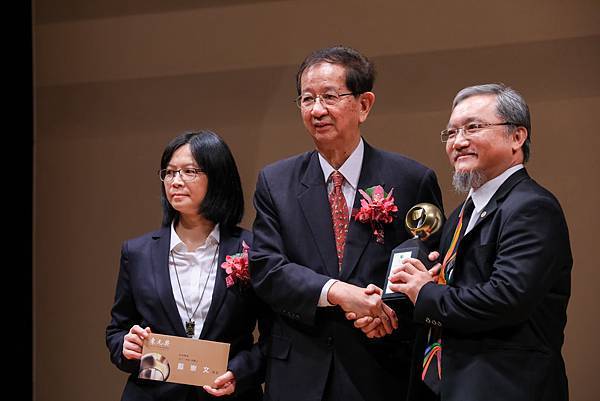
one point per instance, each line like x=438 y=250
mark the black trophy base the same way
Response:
x=412 y=248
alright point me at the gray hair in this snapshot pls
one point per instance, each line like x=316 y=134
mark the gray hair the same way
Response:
x=510 y=106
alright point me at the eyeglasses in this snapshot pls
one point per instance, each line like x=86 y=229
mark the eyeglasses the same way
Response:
x=306 y=102
x=450 y=134
x=186 y=174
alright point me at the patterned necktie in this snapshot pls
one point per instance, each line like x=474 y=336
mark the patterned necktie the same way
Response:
x=339 y=214
x=432 y=371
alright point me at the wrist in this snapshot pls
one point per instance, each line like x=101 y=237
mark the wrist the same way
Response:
x=333 y=293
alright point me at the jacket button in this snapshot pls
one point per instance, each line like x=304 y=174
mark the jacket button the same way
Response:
x=427 y=320
x=329 y=341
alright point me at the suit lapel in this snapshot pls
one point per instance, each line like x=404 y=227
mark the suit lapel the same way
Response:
x=228 y=245
x=448 y=231
x=360 y=234
x=315 y=207
x=489 y=209
x=162 y=280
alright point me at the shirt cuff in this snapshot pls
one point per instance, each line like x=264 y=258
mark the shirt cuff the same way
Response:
x=324 y=291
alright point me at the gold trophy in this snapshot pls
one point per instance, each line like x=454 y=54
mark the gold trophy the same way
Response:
x=422 y=220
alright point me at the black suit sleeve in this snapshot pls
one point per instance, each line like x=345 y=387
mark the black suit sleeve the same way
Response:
x=248 y=366
x=288 y=288
x=124 y=315
x=531 y=253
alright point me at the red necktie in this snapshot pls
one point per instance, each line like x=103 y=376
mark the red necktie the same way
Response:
x=339 y=214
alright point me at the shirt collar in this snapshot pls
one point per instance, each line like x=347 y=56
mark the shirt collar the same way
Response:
x=482 y=195
x=351 y=167
x=176 y=242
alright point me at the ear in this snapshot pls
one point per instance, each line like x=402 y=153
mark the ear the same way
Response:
x=366 y=102
x=518 y=139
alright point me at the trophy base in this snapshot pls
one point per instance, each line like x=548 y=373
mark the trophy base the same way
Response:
x=412 y=248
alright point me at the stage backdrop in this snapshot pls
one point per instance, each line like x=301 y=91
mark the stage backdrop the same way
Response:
x=116 y=80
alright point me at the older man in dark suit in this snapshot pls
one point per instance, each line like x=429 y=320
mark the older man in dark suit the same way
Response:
x=311 y=261
x=497 y=313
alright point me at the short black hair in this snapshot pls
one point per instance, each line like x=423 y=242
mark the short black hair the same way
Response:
x=360 y=71
x=224 y=199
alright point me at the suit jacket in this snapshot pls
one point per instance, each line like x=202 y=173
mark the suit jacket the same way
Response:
x=294 y=255
x=504 y=312
x=144 y=296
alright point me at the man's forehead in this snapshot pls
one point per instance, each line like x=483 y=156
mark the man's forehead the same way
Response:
x=474 y=106
x=324 y=74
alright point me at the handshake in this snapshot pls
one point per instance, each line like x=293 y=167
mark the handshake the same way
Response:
x=365 y=307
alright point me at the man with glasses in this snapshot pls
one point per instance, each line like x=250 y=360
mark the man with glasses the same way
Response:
x=496 y=314
x=312 y=262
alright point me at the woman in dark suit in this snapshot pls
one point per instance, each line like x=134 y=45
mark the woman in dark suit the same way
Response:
x=171 y=281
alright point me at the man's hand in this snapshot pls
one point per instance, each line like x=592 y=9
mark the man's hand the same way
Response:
x=412 y=275
x=435 y=270
x=379 y=321
x=352 y=298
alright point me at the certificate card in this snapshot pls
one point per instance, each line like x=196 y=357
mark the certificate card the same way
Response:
x=397 y=258
x=183 y=360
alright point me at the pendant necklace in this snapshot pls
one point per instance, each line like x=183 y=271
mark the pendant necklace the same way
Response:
x=190 y=325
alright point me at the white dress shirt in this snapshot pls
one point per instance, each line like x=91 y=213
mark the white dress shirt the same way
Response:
x=482 y=195
x=197 y=270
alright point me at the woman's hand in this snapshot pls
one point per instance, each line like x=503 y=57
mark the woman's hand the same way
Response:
x=223 y=385
x=134 y=341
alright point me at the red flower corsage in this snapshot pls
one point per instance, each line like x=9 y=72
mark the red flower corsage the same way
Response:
x=376 y=208
x=236 y=267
